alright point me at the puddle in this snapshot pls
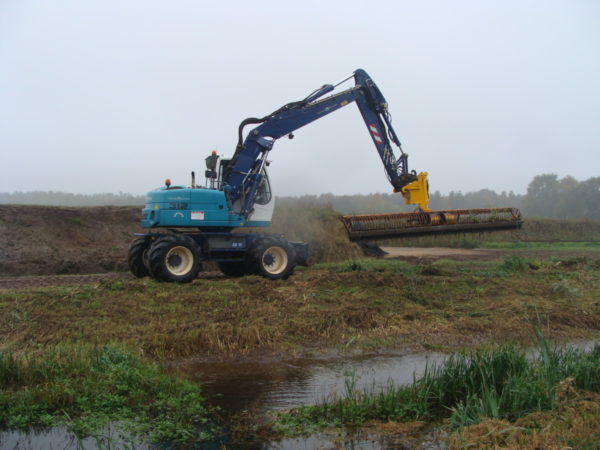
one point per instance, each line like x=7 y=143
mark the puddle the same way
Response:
x=275 y=385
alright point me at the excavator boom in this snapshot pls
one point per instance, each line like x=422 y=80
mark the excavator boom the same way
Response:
x=244 y=172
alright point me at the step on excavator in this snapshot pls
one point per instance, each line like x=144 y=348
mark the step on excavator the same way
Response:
x=194 y=224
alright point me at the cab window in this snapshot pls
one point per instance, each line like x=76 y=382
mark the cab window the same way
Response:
x=263 y=196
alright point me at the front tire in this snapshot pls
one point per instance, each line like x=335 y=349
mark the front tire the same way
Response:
x=135 y=258
x=174 y=258
x=272 y=258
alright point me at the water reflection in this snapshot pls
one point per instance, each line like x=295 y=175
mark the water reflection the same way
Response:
x=58 y=438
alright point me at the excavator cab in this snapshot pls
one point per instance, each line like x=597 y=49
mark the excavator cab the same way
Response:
x=264 y=203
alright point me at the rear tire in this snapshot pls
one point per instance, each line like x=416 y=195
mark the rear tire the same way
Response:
x=233 y=269
x=272 y=258
x=135 y=258
x=174 y=258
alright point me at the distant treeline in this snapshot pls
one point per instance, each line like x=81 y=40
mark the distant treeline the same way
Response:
x=547 y=196
x=379 y=203
x=51 y=198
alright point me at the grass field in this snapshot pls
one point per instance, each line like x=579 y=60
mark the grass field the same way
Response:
x=54 y=339
x=370 y=303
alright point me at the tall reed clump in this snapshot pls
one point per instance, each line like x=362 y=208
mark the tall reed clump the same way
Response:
x=85 y=388
x=498 y=383
x=320 y=226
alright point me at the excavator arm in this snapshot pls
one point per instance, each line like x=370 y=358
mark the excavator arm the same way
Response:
x=245 y=171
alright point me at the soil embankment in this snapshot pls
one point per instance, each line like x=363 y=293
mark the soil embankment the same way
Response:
x=45 y=240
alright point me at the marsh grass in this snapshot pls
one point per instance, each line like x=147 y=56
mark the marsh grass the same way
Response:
x=319 y=225
x=501 y=383
x=515 y=264
x=85 y=388
x=447 y=303
x=367 y=265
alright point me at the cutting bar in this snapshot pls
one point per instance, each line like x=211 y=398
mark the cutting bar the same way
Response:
x=373 y=226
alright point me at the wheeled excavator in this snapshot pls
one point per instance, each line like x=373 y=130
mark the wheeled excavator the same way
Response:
x=194 y=224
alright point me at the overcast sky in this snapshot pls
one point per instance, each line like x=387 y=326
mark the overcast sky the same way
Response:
x=115 y=95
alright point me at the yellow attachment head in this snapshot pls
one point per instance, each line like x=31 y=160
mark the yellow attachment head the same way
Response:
x=417 y=192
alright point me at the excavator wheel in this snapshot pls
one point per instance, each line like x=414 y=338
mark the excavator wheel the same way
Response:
x=272 y=258
x=174 y=258
x=233 y=269
x=135 y=259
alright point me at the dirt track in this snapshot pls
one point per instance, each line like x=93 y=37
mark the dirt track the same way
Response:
x=417 y=254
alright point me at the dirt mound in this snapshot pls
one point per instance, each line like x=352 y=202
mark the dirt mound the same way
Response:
x=43 y=240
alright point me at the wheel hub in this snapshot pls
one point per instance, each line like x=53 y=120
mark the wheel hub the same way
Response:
x=275 y=260
x=179 y=260
x=175 y=260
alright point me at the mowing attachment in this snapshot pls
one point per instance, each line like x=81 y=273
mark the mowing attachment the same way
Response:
x=372 y=226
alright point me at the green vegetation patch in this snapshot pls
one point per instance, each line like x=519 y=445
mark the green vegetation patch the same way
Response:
x=85 y=388
x=500 y=383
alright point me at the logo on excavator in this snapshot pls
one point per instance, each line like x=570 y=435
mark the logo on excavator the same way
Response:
x=375 y=134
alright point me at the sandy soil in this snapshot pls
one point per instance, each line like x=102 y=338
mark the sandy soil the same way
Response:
x=417 y=254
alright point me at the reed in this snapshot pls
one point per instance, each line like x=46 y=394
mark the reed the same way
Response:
x=502 y=383
x=85 y=388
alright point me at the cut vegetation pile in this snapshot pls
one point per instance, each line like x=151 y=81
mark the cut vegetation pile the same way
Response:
x=45 y=240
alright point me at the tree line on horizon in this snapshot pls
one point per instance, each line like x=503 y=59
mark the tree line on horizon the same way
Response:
x=547 y=196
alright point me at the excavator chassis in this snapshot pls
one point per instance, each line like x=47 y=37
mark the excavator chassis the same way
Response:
x=374 y=226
